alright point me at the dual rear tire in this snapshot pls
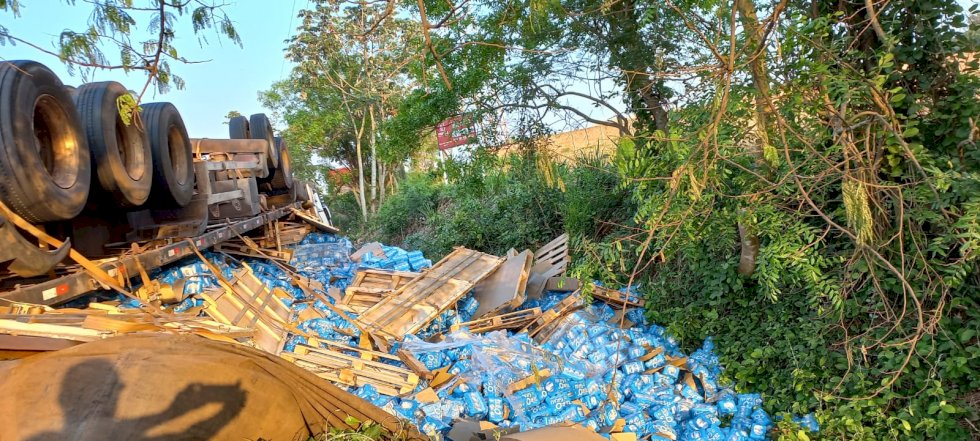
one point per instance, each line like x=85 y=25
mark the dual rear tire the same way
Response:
x=45 y=171
x=53 y=136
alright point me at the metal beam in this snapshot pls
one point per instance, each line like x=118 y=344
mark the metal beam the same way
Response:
x=62 y=289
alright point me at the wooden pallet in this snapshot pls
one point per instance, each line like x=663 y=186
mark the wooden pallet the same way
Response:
x=83 y=325
x=370 y=286
x=421 y=300
x=549 y=261
x=614 y=298
x=510 y=320
x=546 y=324
x=353 y=371
x=280 y=234
x=504 y=289
x=253 y=250
x=245 y=301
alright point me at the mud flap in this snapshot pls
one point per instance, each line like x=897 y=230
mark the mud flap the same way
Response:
x=28 y=259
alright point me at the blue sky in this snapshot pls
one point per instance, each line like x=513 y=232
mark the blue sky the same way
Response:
x=230 y=81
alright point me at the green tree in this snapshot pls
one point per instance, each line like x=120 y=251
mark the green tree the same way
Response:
x=351 y=74
x=114 y=24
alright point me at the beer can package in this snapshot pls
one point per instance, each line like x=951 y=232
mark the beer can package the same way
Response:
x=666 y=428
x=608 y=414
x=407 y=409
x=663 y=412
x=629 y=408
x=760 y=416
x=671 y=372
x=691 y=393
x=592 y=423
x=636 y=351
x=714 y=433
x=475 y=404
x=656 y=362
x=738 y=435
x=633 y=367
x=705 y=410
x=495 y=409
x=726 y=404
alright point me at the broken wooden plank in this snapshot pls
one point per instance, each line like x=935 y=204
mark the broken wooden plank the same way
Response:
x=245 y=301
x=504 y=289
x=65 y=332
x=614 y=298
x=510 y=320
x=281 y=233
x=421 y=300
x=549 y=261
x=370 y=286
x=544 y=325
x=353 y=371
x=239 y=249
x=414 y=364
x=314 y=222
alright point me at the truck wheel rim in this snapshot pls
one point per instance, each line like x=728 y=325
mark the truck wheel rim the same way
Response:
x=178 y=157
x=130 y=149
x=56 y=144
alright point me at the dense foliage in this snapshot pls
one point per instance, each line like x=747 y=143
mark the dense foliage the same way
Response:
x=798 y=179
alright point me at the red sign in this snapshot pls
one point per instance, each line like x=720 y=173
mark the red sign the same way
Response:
x=454 y=132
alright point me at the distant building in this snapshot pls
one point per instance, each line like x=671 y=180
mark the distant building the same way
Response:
x=573 y=144
x=340 y=180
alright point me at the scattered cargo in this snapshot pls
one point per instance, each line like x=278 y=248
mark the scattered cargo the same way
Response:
x=414 y=339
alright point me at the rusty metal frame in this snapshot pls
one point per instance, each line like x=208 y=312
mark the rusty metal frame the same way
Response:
x=62 y=289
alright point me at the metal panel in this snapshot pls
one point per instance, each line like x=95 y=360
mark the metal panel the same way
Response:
x=62 y=289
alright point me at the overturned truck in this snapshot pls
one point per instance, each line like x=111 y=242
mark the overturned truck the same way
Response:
x=82 y=180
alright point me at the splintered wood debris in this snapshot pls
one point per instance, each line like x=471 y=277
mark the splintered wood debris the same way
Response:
x=370 y=286
x=416 y=304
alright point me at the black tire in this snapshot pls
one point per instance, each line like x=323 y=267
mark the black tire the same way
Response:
x=121 y=154
x=45 y=167
x=173 y=164
x=238 y=128
x=282 y=177
x=261 y=128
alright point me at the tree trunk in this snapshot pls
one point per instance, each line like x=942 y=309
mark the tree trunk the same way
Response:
x=749 y=241
x=374 y=161
x=360 y=171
